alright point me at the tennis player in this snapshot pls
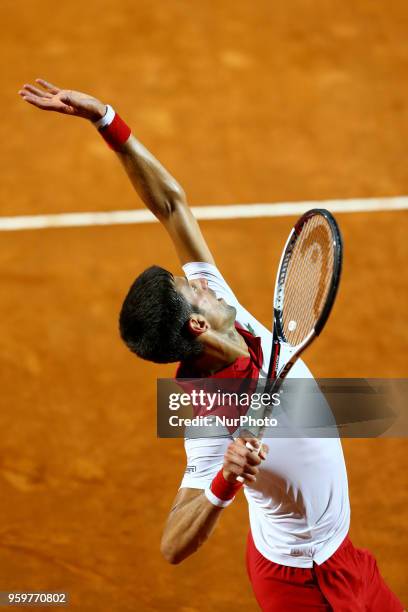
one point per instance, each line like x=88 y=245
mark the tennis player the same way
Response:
x=299 y=556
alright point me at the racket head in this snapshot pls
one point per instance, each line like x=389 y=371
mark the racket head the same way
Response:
x=315 y=242
x=308 y=278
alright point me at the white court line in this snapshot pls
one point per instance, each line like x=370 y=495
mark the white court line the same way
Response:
x=231 y=211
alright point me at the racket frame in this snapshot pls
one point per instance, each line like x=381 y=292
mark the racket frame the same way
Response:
x=282 y=351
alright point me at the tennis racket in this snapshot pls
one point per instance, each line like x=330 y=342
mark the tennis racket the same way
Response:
x=306 y=287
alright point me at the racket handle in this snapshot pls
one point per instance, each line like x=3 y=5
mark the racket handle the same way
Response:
x=253 y=449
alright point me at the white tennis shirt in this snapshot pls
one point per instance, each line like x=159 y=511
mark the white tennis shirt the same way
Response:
x=299 y=508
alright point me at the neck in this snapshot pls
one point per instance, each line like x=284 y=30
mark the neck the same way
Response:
x=220 y=350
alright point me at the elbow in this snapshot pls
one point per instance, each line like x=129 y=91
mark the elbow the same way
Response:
x=175 y=551
x=175 y=198
x=169 y=553
x=172 y=558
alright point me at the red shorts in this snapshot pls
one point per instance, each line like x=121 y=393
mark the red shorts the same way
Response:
x=349 y=581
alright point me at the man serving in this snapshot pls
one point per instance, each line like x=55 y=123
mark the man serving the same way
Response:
x=299 y=556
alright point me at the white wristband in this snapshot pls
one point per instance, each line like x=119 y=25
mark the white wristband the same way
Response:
x=106 y=119
x=216 y=501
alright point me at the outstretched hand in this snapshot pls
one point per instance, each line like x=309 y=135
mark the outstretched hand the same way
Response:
x=66 y=101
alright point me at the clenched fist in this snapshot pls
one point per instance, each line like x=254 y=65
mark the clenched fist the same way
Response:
x=239 y=460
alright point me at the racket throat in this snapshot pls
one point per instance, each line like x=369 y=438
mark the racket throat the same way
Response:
x=276 y=350
x=273 y=370
x=286 y=358
x=282 y=359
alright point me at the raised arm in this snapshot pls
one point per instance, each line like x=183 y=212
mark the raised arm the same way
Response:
x=156 y=187
x=163 y=195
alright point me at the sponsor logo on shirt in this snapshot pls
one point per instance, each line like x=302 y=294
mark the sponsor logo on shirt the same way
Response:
x=190 y=469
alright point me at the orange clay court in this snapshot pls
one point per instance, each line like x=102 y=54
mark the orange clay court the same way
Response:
x=242 y=102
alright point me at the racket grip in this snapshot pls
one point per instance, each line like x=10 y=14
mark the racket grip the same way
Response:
x=253 y=449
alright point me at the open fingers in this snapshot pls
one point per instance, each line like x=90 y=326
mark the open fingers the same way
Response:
x=48 y=86
x=46 y=103
x=43 y=103
x=36 y=91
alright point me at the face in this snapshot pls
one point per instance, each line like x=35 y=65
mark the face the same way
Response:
x=216 y=311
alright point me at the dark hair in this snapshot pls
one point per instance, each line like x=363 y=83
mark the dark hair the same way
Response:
x=153 y=319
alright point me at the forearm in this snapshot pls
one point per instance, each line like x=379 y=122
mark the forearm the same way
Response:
x=156 y=187
x=188 y=527
x=195 y=513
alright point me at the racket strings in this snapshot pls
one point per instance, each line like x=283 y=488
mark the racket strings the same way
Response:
x=309 y=269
